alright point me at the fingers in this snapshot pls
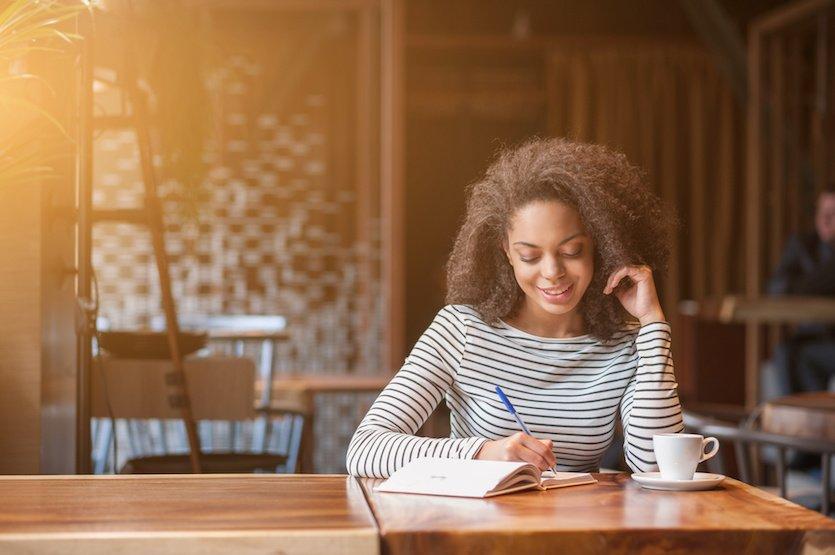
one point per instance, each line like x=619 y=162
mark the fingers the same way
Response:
x=636 y=273
x=614 y=279
x=520 y=447
x=542 y=447
x=529 y=449
x=532 y=457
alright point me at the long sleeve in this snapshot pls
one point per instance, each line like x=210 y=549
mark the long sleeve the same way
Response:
x=650 y=403
x=818 y=281
x=385 y=440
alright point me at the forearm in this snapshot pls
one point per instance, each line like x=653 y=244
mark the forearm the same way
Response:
x=376 y=451
x=653 y=406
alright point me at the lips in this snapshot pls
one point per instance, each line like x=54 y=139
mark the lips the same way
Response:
x=558 y=294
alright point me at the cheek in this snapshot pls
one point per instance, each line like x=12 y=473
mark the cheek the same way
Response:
x=583 y=269
x=522 y=271
x=525 y=273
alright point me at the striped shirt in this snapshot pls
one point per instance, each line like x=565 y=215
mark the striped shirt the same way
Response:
x=566 y=390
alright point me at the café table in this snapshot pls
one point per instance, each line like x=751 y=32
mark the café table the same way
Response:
x=613 y=516
x=754 y=312
x=294 y=514
x=249 y=513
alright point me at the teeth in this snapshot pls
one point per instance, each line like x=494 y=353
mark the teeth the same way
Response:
x=554 y=291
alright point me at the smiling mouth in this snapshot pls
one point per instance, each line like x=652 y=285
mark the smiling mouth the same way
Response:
x=556 y=293
x=555 y=290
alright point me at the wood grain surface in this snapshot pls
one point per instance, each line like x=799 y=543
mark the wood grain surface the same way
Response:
x=20 y=329
x=777 y=310
x=176 y=514
x=613 y=516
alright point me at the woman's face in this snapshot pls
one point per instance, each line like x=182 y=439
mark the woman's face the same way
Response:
x=552 y=257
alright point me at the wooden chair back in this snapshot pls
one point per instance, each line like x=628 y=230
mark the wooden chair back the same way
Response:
x=221 y=388
x=744 y=437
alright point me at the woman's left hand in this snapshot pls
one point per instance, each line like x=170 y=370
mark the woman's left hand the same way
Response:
x=640 y=300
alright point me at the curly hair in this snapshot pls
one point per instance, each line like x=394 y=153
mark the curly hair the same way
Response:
x=626 y=221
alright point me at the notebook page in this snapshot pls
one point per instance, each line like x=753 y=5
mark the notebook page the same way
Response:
x=455 y=477
x=551 y=479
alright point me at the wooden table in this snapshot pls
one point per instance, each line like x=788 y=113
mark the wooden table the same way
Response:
x=254 y=513
x=329 y=514
x=810 y=415
x=754 y=312
x=789 y=309
x=612 y=516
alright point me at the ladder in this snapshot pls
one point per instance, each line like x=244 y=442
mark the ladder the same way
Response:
x=151 y=216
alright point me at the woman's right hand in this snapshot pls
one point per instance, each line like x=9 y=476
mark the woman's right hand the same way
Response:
x=519 y=447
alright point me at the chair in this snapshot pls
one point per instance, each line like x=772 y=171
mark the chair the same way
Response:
x=221 y=388
x=240 y=329
x=744 y=435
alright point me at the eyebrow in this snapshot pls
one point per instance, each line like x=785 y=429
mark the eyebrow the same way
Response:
x=531 y=245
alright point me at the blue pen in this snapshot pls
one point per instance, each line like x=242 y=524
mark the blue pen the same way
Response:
x=509 y=406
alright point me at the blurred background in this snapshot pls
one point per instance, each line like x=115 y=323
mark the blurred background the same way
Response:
x=282 y=180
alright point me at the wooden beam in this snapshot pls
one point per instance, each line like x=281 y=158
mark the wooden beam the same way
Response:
x=698 y=191
x=392 y=160
x=137 y=216
x=84 y=242
x=510 y=45
x=794 y=167
x=723 y=250
x=753 y=204
x=778 y=310
x=775 y=211
x=820 y=152
x=284 y=5
x=366 y=178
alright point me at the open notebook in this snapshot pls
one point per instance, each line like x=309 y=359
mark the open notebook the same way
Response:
x=474 y=478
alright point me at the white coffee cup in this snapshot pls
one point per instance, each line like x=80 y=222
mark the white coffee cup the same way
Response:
x=679 y=454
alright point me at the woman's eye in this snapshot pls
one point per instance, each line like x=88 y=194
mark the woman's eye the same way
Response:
x=529 y=260
x=573 y=254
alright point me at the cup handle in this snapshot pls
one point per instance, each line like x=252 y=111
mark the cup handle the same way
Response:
x=706 y=456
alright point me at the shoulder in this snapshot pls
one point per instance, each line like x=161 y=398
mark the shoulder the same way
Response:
x=460 y=313
x=464 y=319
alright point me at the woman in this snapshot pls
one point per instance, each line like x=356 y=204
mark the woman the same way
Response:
x=551 y=296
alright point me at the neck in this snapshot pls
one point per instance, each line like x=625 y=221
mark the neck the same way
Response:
x=532 y=319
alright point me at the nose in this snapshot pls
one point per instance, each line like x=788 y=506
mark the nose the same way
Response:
x=552 y=268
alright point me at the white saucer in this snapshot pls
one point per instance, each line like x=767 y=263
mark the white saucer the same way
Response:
x=700 y=481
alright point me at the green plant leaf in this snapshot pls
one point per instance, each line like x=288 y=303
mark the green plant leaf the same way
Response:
x=9 y=100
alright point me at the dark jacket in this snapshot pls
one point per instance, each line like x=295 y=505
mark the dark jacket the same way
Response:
x=807 y=267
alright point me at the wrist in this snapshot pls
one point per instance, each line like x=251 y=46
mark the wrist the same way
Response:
x=480 y=454
x=652 y=317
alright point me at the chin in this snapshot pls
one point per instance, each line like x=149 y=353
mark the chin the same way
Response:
x=558 y=310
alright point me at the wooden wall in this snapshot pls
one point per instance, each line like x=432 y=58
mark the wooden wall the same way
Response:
x=37 y=332
x=20 y=331
x=660 y=101
x=481 y=75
